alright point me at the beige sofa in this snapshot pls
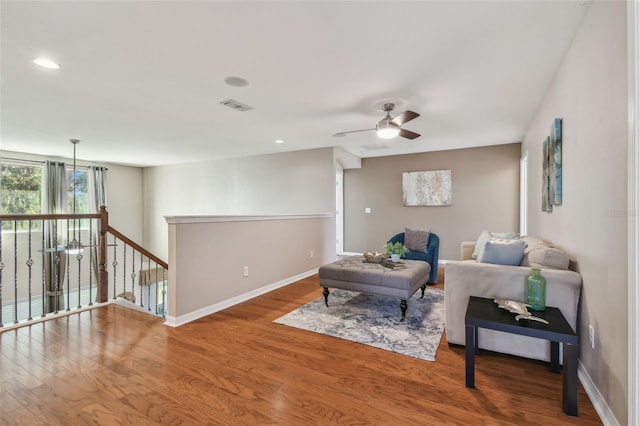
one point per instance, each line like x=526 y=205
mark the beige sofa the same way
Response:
x=468 y=277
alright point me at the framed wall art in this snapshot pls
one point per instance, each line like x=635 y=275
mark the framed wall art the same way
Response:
x=552 y=167
x=429 y=188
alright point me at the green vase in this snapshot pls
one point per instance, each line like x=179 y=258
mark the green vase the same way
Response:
x=536 y=290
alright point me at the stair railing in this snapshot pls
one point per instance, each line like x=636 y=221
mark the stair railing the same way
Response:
x=41 y=278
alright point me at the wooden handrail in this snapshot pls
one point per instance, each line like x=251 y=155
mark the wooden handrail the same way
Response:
x=104 y=228
x=111 y=230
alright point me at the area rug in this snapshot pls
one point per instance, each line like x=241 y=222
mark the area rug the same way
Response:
x=375 y=321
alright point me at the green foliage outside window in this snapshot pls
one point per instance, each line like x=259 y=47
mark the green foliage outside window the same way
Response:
x=20 y=193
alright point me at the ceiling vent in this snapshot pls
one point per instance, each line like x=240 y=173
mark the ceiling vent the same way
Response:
x=233 y=104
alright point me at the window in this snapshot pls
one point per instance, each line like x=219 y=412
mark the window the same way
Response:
x=20 y=189
x=79 y=189
x=81 y=192
x=20 y=192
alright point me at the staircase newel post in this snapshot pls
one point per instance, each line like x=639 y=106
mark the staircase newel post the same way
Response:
x=103 y=275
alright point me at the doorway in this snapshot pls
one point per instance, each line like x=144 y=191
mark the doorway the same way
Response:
x=339 y=210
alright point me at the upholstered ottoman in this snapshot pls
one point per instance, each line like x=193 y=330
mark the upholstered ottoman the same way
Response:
x=353 y=273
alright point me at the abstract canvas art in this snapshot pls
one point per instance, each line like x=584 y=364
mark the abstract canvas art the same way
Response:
x=552 y=167
x=546 y=193
x=555 y=158
x=430 y=188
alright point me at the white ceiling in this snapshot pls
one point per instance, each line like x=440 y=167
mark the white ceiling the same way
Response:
x=141 y=81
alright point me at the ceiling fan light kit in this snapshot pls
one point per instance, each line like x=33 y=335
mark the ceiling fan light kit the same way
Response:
x=74 y=246
x=389 y=128
x=386 y=129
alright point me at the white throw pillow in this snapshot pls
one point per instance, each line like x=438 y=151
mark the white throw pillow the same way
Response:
x=486 y=236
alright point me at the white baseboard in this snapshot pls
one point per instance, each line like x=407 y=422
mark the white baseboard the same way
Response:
x=601 y=406
x=172 y=321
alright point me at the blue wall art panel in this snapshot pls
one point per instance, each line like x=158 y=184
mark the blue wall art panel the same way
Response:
x=555 y=183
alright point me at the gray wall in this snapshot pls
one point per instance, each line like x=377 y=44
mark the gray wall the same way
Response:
x=301 y=182
x=485 y=195
x=590 y=94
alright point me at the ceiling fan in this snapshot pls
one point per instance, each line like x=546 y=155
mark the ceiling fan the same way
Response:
x=389 y=128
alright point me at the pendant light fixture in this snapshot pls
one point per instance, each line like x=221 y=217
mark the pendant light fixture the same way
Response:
x=74 y=246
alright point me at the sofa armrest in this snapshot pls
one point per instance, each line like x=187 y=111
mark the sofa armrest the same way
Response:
x=469 y=278
x=466 y=250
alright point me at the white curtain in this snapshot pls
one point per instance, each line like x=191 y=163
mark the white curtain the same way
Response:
x=97 y=181
x=54 y=201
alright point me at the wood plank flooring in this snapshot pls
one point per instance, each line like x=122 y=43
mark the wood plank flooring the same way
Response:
x=112 y=366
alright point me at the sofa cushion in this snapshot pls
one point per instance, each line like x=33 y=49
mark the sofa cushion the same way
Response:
x=486 y=236
x=502 y=253
x=546 y=257
x=416 y=240
x=533 y=243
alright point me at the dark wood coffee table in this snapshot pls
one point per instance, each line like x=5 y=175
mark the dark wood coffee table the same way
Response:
x=484 y=313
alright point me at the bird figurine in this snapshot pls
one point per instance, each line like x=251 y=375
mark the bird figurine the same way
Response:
x=518 y=308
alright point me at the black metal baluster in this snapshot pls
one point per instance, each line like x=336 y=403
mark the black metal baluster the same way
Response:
x=56 y=263
x=133 y=276
x=140 y=280
x=164 y=291
x=15 y=271
x=79 y=257
x=90 y=262
x=44 y=278
x=124 y=270
x=115 y=264
x=155 y=298
x=68 y=271
x=1 y=269
x=29 y=265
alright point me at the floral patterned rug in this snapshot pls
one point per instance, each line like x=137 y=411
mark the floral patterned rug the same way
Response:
x=375 y=321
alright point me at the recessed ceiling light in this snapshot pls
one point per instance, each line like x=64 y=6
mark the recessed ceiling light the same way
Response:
x=279 y=141
x=46 y=63
x=236 y=81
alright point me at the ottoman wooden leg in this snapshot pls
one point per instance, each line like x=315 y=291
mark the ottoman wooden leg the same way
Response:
x=422 y=287
x=403 y=308
x=325 y=293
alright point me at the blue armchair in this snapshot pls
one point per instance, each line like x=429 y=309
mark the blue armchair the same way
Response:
x=430 y=256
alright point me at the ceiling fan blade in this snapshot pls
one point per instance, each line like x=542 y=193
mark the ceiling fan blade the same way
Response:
x=404 y=117
x=408 y=134
x=340 y=134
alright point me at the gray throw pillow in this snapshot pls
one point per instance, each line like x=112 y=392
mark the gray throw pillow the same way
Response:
x=416 y=240
x=502 y=254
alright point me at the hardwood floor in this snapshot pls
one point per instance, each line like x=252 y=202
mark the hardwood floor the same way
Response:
x=113 y=365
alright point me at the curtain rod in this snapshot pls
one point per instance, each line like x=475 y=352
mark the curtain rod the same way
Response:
x=42 y=162
x=22 y=159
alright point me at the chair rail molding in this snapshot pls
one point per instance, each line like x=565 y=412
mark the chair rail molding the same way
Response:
x=633 y=46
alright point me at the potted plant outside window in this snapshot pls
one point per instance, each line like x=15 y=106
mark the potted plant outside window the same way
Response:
x=395 y=250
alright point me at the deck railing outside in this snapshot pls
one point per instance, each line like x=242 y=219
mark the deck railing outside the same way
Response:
x=42 y=275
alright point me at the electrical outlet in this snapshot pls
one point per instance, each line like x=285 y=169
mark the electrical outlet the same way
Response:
x=311 y=254
x=245 y=271
x=592 y=337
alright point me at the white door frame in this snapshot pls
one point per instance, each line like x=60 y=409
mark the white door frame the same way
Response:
x=523 y=192
x=339 y=209
x=633 y=216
